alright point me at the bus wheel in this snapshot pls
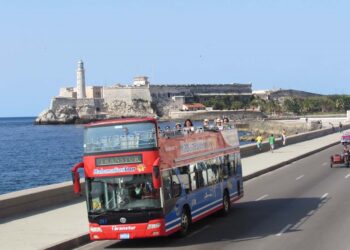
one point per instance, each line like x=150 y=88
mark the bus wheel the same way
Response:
x=226 y=204
x=185 y=222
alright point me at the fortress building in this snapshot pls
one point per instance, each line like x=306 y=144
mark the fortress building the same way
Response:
x=138 y=98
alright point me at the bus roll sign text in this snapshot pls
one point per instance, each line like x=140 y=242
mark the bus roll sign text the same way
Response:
x=118 y=160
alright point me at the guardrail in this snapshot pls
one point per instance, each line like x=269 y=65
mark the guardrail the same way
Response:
x=55 y=195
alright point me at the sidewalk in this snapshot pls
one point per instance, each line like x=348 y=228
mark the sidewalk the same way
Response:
x=264 y=162
x=53 y=227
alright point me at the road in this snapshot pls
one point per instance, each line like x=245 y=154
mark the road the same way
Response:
x=305 y=205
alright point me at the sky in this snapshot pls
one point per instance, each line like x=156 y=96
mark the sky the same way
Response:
x=290 y=44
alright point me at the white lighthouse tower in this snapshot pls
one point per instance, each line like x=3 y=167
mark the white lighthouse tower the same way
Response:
x=81 y=92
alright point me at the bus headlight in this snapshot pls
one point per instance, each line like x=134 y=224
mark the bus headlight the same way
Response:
x=153 y=226
x=95 y=229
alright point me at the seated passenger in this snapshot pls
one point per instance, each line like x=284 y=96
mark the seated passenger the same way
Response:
x=218 y=124
x=138 y=191
x=178 y=129
x=206 y=124
x=188 y=127
x=226 y=124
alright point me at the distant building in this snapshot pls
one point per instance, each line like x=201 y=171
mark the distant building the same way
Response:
x=262 y=94
x=69 y=92
x=94 y=92
x=193 y=107
x=141 y=81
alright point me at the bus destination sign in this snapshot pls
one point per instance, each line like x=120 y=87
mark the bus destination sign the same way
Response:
x=118 y=160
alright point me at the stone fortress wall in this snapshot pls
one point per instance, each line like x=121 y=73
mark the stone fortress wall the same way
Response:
x=137 y=99
x=168 y=98
x=126 y=93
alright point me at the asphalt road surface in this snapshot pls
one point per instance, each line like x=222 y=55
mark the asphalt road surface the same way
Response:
x=305 y=205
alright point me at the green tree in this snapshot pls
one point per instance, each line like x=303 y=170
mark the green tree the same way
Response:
x=219 y=105
x=340 y=104
x=292 y=105
x=236 y=105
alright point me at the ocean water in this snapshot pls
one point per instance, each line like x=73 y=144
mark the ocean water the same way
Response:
x=32 y=155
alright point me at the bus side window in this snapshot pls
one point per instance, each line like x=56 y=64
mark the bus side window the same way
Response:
x=166 y=178
x=176 y=185
x=213 y=173
x=184 y=177
x=225 y=165
x=202 y=174
x=238 y=169
x=193 y=176
x=232 y=165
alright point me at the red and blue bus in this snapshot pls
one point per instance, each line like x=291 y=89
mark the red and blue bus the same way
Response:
x=140 y=183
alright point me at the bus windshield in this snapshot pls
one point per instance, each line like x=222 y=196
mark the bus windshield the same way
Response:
x=131 y=192
x=120 y=137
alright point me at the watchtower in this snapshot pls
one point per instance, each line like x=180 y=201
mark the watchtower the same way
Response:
x=81 y=92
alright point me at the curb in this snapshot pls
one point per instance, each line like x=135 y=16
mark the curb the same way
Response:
x=72 y=243
x=284 y=163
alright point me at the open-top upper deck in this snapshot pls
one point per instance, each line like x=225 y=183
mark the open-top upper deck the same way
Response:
x=182 y=150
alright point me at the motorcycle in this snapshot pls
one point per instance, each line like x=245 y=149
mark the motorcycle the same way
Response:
x=343 y=159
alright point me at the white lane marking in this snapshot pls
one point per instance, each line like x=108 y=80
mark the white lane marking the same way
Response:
x=324 y=196
x=298 y=178
x=324 y=164
x=284 y=230
x=198 y=231
x=262 y=197
x=347 y=176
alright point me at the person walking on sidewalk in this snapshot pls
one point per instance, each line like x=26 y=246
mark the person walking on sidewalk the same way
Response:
x=272 y=142
x=340 y=127
x=284 y=137
x=259 y=140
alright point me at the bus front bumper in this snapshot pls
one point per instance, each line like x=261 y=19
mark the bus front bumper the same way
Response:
x=153 y=228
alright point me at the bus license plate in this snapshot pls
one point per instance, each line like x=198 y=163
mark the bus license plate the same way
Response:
x=124 y=236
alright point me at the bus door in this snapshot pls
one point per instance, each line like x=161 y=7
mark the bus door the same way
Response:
x=232 y=174
x=171 y=195
x=238 y=173
x=201 y=196
x=213 y=171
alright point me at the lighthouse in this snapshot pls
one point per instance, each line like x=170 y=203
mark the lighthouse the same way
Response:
x=81 y=92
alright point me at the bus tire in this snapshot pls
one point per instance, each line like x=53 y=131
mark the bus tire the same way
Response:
x=226 y=204
x=185 y=222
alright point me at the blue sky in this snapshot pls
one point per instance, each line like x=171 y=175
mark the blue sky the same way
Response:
x=295 y=44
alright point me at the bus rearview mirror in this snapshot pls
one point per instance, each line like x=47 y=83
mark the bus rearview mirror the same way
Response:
x=156 y=177
x=76 y=182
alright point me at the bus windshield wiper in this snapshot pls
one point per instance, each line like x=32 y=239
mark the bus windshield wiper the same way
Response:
x=96 y=214
x=119 y=210
x=144 y=208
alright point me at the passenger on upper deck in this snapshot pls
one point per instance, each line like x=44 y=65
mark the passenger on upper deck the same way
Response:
x=178 y=129
x=227 y=125
x=218 y=124
x=188 y=127
x=206 y=124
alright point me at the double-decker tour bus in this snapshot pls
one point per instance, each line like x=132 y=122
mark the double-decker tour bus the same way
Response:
x=140 y=183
